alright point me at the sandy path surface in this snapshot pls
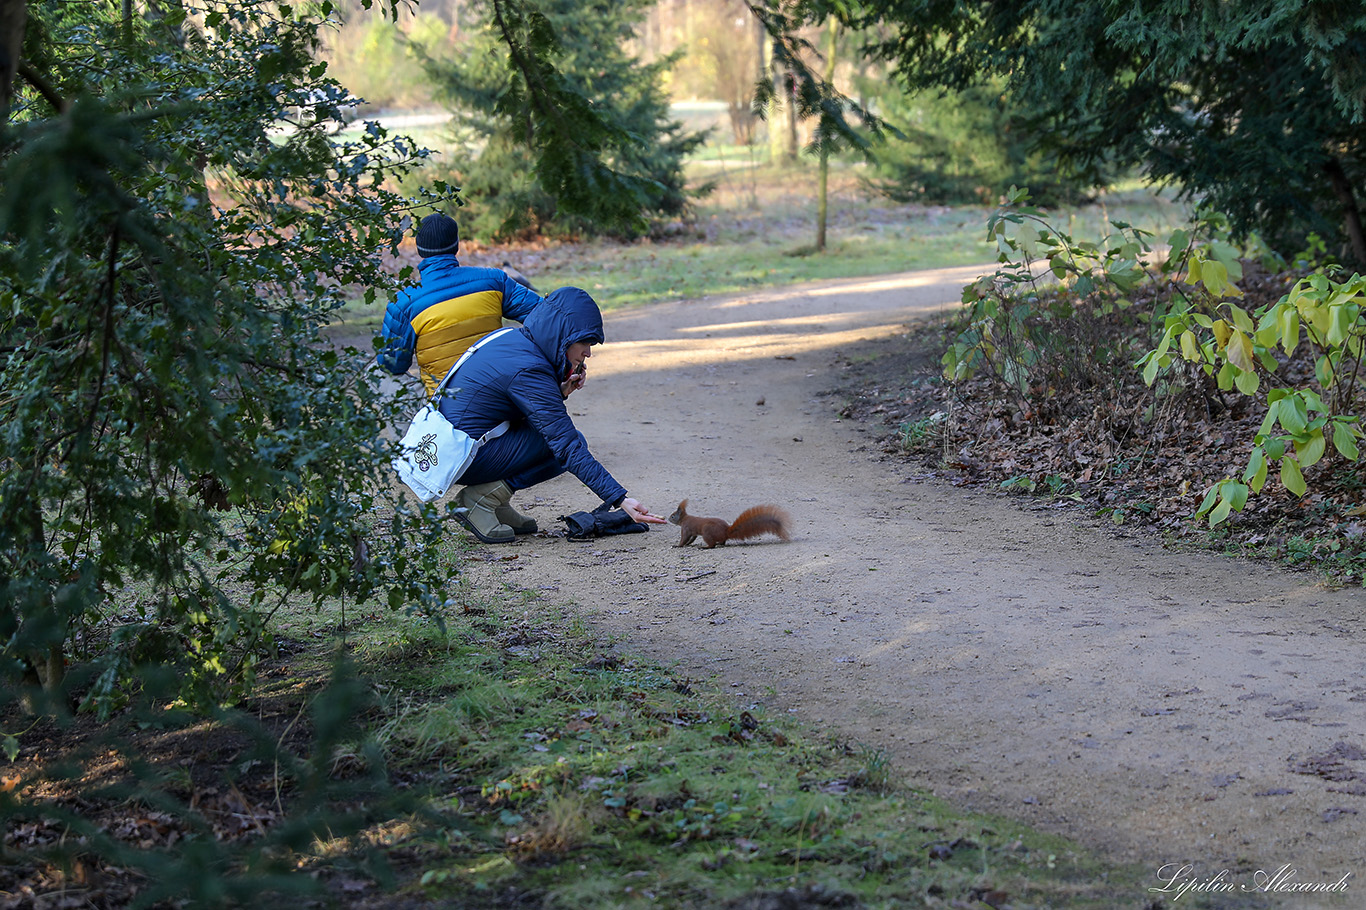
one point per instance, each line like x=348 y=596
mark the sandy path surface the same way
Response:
x=1010 y=657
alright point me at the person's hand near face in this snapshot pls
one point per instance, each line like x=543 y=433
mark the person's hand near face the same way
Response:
x=578 y=354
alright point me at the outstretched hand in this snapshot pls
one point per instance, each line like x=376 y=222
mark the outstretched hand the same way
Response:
x=638 y=512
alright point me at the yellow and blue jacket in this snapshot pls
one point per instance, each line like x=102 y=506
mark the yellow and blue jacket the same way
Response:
x=452 y=308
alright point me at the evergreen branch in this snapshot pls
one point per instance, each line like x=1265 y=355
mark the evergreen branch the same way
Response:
x=538 y=91
x=814 y=95
x=42 y=86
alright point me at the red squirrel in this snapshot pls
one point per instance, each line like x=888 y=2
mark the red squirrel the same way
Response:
x=715 y=532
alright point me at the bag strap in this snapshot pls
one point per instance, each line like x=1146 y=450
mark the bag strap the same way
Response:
x=493 y=433
x=441 y=386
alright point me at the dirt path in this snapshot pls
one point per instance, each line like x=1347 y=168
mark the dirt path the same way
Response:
x=1023 y=661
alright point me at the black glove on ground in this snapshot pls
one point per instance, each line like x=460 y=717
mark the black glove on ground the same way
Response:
x=600 y=522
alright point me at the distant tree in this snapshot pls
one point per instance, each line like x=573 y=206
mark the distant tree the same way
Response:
x=723 y=56
x=181 y=451
x=793 y=83
x=369 y=54
x=564 y=126
x=1258 y=106
x=969 y=147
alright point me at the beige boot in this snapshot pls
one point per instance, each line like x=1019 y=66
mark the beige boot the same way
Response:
x=520 y=524
x=480 y=517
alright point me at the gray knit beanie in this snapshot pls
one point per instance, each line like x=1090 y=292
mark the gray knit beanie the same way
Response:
x=437 y=234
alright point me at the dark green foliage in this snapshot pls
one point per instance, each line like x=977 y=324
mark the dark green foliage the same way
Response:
x=1259 y=105
x=181 y=450
x=968 y=146
x=1259 y=138
x=565 y=129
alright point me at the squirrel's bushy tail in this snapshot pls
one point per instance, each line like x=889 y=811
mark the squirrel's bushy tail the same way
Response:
x=760 y=520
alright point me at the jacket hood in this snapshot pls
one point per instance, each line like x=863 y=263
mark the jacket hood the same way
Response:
x=566 y=316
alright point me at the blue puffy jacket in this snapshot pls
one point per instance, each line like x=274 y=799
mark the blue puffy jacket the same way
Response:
x=517 y=377
x=453 y=307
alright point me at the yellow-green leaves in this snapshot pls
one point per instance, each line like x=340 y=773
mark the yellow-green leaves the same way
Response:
x=1344 y=438
x=1255 y=475
x=1291 y=477
x=1330 y=311
x=1289 y=409
x=1306 y=428
x=1247 y=382
x=1239 y=351
x=1240 y=348
x=1190 y=348
x=1217 y=275
x=1222 y=332
x=1288 y=323
x=1309 y=450
x=1221 y=499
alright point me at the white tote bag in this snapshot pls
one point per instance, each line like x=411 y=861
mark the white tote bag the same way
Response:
x=433 y=453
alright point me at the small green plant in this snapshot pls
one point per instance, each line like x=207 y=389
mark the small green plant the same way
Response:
x=923 y=435
x=875 y=770
x=1034 y=325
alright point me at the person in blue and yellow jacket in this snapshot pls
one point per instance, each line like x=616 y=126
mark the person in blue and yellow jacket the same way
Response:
x=453 y=306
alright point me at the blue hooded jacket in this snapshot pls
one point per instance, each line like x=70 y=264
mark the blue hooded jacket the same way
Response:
x=517 y=377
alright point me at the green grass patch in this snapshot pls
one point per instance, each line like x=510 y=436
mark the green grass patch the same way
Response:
x=560 y=772
x=758 y=230
x=733 y=250
x=502 y=755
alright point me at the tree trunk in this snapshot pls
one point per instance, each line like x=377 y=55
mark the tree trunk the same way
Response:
x=822 y=190
x=13 y=16
x=1351 y=212
x=790 y=149
x=46 y=667
x=51 y=668
x=822 y=205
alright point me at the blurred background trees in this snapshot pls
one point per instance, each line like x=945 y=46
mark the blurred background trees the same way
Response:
x=971 y=145
x=1257 y=108
x=560 y=126
x=1253 y=107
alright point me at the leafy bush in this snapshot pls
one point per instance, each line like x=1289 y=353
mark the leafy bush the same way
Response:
x=1044 y=344
x=1304 y=413
x=182 y=450
x=1040 y=324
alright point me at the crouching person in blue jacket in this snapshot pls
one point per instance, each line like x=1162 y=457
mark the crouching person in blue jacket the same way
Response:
x=524 y=377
